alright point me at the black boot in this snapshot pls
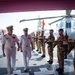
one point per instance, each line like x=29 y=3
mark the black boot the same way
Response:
x=65 y=57
x=43 y=56
x=50 y=62
x=37 y=50
x=58 y=69
x=61 y=71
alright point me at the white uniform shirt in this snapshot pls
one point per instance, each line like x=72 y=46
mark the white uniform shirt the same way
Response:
x=1 y=39
x=1 y=36
x=26 y=42
x=9 y=40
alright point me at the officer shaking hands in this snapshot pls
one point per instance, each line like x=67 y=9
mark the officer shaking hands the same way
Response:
x=26 y=45
x=9 y=48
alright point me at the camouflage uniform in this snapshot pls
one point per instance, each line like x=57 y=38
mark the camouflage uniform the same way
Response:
x=33 y=38
x=39 y=43
x=36 y=40
x=42 y=44
x=62 y=45
x=51 y=38
x=60 y=52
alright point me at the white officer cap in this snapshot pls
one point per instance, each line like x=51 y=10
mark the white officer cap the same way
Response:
x=10 y=27
x=25 y=29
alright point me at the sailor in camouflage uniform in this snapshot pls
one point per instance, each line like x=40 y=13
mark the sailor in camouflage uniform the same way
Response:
x=36 y=40
x=39 y=42
x=50 y=41
x=42 y=43
x=33 y=38
x=60 y=50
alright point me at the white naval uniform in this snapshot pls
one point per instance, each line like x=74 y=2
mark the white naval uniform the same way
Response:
x=10 y=50
x=1 y=36
x=26 y=48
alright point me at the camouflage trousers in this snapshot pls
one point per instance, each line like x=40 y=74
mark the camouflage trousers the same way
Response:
x=33 y=44
x=39 y=46
x=50 y=52
x=43 y=48
x=60 y=55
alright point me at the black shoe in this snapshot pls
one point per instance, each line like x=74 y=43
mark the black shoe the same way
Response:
x=26 y=70
x=61 y=71
x=43 y=56
x=65 y=57
x=50 y=62
x=58 y=69
x=39 y=52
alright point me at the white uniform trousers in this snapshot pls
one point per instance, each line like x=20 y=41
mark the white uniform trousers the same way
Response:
x=26 y=57
x=10 y=54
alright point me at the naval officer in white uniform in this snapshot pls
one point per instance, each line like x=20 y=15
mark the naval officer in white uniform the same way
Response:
x=9 y=49
x=26 y=45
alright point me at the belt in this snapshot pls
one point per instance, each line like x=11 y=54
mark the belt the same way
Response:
x=26 y=45
x=11 y=46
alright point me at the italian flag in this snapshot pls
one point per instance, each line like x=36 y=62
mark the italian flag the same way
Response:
x=41 y=24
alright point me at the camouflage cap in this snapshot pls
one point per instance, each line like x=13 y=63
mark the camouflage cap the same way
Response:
x=51 y=30
x=60 y=29
x=25 y=29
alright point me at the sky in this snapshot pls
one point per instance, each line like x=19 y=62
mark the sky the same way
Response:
x=7 y=19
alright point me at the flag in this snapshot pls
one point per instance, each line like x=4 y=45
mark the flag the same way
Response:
x=43 y=24
x=39 y=23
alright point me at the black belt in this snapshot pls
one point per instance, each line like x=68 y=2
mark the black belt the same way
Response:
x=26 y=45
x=11 y=46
